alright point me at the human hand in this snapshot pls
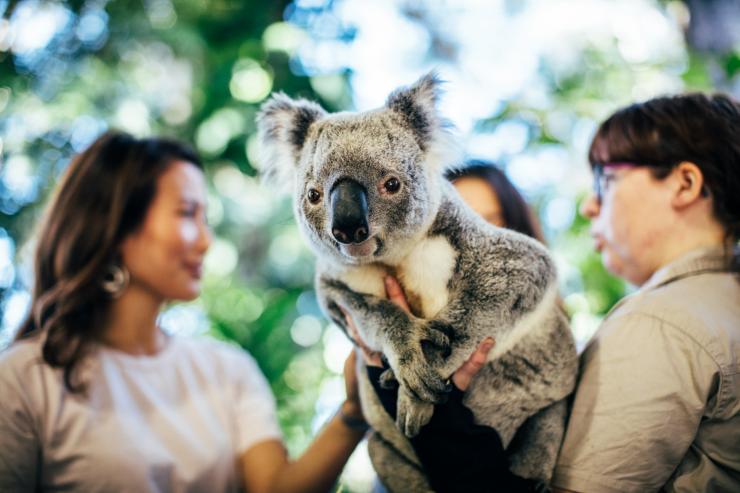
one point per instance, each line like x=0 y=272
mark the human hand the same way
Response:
x=351 y=406
x=462 y=377
x=395 y=293
x=372 y=358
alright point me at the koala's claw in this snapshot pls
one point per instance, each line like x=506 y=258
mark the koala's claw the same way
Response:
x=412 y=413
x=388 y=379
x=421 y=380
x=436 y=337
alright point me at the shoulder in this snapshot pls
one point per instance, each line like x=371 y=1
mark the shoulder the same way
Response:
x=702 y=310
x=24 y=376
x=21 y=357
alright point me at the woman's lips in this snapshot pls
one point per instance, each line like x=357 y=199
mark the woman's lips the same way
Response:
x=195 y=269
x=598 y=243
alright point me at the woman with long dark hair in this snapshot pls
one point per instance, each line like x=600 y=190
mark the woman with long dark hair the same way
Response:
x=94 y=395
x=490 y=193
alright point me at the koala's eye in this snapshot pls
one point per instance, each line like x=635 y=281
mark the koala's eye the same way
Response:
x=314 y=196
x=392 y=185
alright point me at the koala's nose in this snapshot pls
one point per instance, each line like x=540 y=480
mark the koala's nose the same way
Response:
x=348 y=206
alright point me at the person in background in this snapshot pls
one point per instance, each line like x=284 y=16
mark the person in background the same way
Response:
x=487 y=190
x=657 y=406
x=95 y=395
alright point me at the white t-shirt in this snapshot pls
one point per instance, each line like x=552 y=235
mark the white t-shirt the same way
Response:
x=173 y=422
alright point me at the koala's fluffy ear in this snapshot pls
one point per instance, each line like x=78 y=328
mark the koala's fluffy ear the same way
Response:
x=417 y=104
x=282 y=127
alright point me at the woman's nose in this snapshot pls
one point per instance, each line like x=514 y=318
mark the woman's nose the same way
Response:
x=590 y=206
x=205 y=236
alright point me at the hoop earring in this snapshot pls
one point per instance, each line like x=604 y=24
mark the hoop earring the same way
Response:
x=115 y=281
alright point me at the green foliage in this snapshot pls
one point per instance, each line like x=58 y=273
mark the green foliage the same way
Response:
x=165 y=68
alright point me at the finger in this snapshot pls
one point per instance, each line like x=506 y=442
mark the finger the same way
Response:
x=372 y=358
x=480 y=355
x=351 y=327
x=395 y=293
x=463 y=376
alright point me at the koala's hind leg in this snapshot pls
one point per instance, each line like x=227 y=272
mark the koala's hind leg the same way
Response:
x=535 y=448
x=395 y=471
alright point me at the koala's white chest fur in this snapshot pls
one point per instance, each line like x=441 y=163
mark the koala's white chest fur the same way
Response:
x=424 y=275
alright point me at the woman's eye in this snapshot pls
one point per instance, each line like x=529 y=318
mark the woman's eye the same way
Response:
x=187 y=212
x=314 y=196
x=392 y=185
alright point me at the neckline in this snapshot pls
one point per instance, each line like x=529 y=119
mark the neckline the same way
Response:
x=142 y=360
x=704 y=259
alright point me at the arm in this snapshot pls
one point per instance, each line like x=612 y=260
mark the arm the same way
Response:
x=19 y=446
x=267 y=469
x=401 y=336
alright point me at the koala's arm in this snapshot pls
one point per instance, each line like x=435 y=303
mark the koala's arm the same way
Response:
x=402 y=337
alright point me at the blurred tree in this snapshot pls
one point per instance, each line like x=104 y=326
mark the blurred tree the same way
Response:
x=193 y=69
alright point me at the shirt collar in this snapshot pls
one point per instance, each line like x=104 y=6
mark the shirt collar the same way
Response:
x=707 y=259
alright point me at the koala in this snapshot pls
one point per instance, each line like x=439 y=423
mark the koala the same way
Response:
x=371 y=200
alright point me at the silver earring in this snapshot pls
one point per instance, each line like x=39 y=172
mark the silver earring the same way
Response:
x=116 y=280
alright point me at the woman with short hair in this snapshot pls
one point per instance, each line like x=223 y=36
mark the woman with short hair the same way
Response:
x=657 y=405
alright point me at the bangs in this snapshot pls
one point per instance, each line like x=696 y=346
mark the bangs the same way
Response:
x=630 y=135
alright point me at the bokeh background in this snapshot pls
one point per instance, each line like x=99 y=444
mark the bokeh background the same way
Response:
x=527 y=83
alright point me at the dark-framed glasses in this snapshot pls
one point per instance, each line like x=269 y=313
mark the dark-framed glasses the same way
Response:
x=602 y=179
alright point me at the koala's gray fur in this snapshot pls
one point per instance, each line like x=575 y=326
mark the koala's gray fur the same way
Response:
x=464 y=278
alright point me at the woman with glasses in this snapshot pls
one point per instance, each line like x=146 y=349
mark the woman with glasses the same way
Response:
x=658 y=402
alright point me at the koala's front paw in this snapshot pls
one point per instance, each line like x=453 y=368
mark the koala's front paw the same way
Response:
x=414 y=370
x=416 y=375
x=412 y=413
x=434 y=338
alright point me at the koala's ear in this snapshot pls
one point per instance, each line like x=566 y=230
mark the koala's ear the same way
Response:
x=417 y=104
x=282 y=128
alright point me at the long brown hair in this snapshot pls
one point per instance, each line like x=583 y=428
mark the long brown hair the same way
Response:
x=517 y=214
x=663 y=132
x=102 y=197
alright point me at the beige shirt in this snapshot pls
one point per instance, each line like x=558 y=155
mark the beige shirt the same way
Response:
x=657 y=405
x=172 y=422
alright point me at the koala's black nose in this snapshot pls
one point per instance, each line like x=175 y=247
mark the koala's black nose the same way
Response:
x=348 y=206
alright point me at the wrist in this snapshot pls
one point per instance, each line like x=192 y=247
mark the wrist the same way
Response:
x=350 y=413
x=352 y=409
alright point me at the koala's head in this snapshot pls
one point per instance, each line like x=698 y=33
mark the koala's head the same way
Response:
x=365 y=185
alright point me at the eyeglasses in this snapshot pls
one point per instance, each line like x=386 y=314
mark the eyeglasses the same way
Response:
x=602 y=180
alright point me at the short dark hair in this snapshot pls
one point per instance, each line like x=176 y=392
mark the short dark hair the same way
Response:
x=517 y=214
x=665 y=131
x=103 y=197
